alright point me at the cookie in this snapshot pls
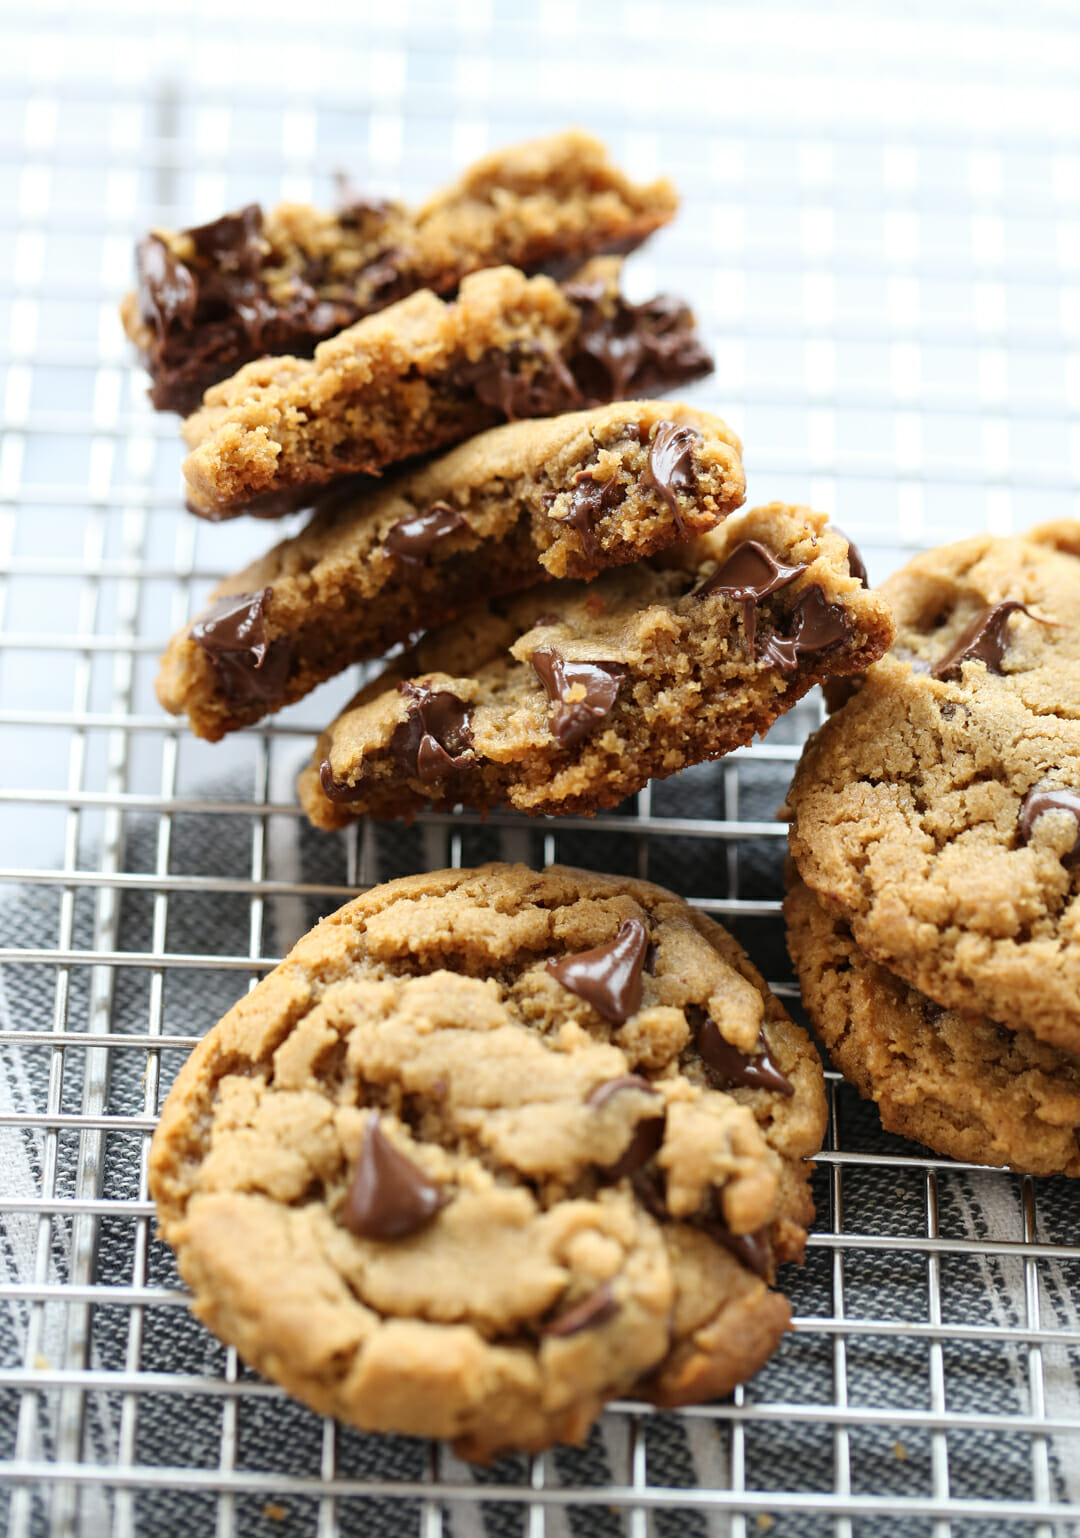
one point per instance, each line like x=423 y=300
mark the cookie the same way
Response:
x=213 y=298
x=938 y=812
x=964 y=1086
x=490 y=1148
x=426 y=373
x=564 y=496
x=572 y=696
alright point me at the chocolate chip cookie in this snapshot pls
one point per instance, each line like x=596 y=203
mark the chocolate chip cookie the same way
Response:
x=938 y=812
x=426 y=373
x=965 y=1086
x=213 y=298
x=567 y=496
x=572 y=696
x=490 y=1148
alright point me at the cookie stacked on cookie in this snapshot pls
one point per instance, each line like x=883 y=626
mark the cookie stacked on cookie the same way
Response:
x=590 y=622
x=935 y=926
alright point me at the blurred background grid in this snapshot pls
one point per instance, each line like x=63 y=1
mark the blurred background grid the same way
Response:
x=881 y=238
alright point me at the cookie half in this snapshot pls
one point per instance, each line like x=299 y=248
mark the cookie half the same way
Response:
x=426 y=373
x=572 y=696
x=965 y=1086
x=566 y=496
x=938 y=812
x=213 y=298
x=490 y=1148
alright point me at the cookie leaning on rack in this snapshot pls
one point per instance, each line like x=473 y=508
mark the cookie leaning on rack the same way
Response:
x=490 y=1148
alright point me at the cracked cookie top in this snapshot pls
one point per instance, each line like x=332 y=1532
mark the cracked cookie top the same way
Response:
x=938 y=811
x=491 y=1147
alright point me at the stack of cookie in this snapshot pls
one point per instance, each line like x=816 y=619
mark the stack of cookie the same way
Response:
x=572 y=616
x=935 y=921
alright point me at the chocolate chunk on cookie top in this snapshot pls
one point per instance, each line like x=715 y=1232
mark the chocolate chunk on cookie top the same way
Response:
x=429 y=1182
x=964 y=1085
x=937 y=813
x=211 y=299
x=577 y=694
x=426 y=373
x=567 y=496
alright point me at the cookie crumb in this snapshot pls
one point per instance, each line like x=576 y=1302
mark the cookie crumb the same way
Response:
x=899 y=1451
x=763 y=1522
x=274 y=1512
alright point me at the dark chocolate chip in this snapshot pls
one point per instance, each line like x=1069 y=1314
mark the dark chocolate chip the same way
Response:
x=609 y=976
x=232 y=633
x=626 y=351
x=434 y=738
x=167 y=291
x=733 y=1067
x=1038 y=802
x=411 y=539
x=589 y=1314
x=340 y=794
x=390 y=1197
x=671 y=466
x=574 y=718
x=232 y=240
x=754 y=1251
x=750 y=573
x=520 y=381
x=649 y=1189
x=984 y=640
x=603 y=1092
x=589 y=501
x=855 y=563
x=818 y=624
x=644 y=1143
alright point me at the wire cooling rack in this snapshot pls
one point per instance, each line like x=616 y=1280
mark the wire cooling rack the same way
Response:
x=882 y=238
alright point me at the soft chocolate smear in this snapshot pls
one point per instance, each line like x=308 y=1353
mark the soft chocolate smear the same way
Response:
x=389 y=1197
x=603 y=1092
x=752 y=1250
x=434 y=738
x=984 y=640
x=521 y=381
x=589 y=501
x=340 y=794
x=671 y=466
x=609 y=976
x=733 y=1067
x=233 y=239
x=855 y=563
x=575 y=718
x=232 y=633
x=629 y=350
x=411 y=539
x=817 y=625
x=1037 y=802
x=589 y=1314
x=750 y=573
x=166 y=287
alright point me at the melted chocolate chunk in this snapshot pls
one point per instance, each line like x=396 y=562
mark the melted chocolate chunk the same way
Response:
x=649 y=1189
x=590 y=500
x=575 y=718
x=232 y=240
x=855 y=563
x=390 y=1197
x=410 y=540
x=232 y=633
x=603 y=1092
x=752 y=1250
x=340 y=794
x=166 y=288
x=1037 y=802
x=434 y=738
x=629 y=350
x=609 y=976
x=818 y=624
x=589 y=1314
x=733 y=1067
x=984 y=640
x=520 y=381
x=750 y=573
x=671 y=466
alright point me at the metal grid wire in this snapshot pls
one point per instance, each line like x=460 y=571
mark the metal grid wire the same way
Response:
x=882 y=238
